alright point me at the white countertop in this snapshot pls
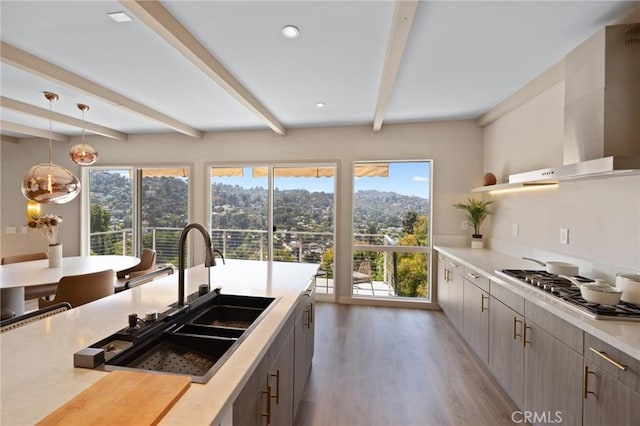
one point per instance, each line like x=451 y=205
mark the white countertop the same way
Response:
x=624 y=335
x=37 y=373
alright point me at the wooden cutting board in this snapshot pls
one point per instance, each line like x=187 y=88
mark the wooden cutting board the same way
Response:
x=122 y=398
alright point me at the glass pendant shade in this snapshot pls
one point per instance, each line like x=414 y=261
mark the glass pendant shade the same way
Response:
x=83 y=154
x=50 y=184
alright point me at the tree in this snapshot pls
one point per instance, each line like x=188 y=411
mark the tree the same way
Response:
x=409 y=221
x=412 y=267
x=100 y=218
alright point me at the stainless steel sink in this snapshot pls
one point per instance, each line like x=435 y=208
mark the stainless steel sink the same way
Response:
x=194 y=341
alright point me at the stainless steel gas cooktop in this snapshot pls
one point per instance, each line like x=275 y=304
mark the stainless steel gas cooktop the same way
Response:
x=569 y=293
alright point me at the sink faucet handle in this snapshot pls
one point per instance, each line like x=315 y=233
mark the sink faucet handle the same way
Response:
x=133 y=320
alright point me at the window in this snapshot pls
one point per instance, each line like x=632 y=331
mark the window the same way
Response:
x=135 y=208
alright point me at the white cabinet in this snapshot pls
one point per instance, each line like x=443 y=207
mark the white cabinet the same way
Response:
x=442 y=285
x=506 y=350
x=450 y=290
x=476 y=314
x=272 y=394
x=252 y=404
x=611 y=385
x=281 y=377
x=304 y=341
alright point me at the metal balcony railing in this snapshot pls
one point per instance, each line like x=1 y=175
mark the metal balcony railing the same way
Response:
x=396 y=271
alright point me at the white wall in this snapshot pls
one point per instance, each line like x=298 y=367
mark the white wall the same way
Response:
x=603 y=215
x=455 y=147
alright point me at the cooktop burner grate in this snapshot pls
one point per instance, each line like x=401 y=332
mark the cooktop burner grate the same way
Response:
x=564 y=289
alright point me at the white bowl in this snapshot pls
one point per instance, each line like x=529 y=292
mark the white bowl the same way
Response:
x=629 y=285
x=597 y=292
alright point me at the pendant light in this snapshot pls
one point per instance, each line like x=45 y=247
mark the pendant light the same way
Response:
x=83 y=154
x=50 y=183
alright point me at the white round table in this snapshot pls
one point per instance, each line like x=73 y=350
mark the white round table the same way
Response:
x=16 y=276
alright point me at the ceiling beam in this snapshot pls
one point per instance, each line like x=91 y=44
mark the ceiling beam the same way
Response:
x=160 y=20
x=25 y=108
x=7 y=138
x=13 y=56
x=32 y=131
x=403 y=15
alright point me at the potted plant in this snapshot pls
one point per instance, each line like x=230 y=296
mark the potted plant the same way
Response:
x=477 y=212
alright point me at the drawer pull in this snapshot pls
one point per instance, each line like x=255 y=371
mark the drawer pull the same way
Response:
x=440 y=257
x=268 y=414
x=455 y=265
x=604 y=355
x=474 y=276
x=277 y=395
x=586 y=381
x=515 y=322
x=482 y=308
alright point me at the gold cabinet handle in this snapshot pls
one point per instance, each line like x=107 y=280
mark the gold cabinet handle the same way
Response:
x=482 y=308
x=310 y=314
x=446 y=275
x=455 y=265
x=606 y=356
x=306 y=317
x=474 y=276
x=586 y=382
x=524 y=335
x=277 y=395
x=268 y=414
x=440 y=257
x=515 y=322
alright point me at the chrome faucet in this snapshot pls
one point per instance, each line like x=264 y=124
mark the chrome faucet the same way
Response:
x=209 y=258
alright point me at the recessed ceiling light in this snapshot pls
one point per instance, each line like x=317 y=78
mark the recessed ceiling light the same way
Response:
x=289 y=31
x=120 y=17
x=320 y=104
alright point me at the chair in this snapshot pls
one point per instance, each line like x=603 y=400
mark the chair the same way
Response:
x=80 y=289
x=36 y=291
x=363 y=275
x=143 y=279
x=147 y=264
x=30 y=317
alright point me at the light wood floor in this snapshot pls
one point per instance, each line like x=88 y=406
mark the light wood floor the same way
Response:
x=387 y=367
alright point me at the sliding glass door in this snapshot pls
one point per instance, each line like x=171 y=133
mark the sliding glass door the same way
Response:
x=280 y=212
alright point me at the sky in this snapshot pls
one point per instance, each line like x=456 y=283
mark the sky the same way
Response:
x=406 y=178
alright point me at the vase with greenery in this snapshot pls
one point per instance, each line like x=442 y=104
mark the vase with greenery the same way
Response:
x=477 y=212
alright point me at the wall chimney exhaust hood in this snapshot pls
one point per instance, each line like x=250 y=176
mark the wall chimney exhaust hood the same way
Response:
x=602 y=109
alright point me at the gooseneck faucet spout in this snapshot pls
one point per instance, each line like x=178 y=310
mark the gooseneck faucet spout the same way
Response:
x=209 y=258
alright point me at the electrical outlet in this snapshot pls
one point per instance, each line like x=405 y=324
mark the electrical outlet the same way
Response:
x=24 y=230
x=464 y=225
x=10 y=230
x=564 y=236
x=515 y=229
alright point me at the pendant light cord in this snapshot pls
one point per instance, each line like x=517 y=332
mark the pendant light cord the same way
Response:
x=83 y=123
x=50 y=131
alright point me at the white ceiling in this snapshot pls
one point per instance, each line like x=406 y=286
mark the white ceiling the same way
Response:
x=461 y=59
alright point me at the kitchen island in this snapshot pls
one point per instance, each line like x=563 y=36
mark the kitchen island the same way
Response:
x=37 y=373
